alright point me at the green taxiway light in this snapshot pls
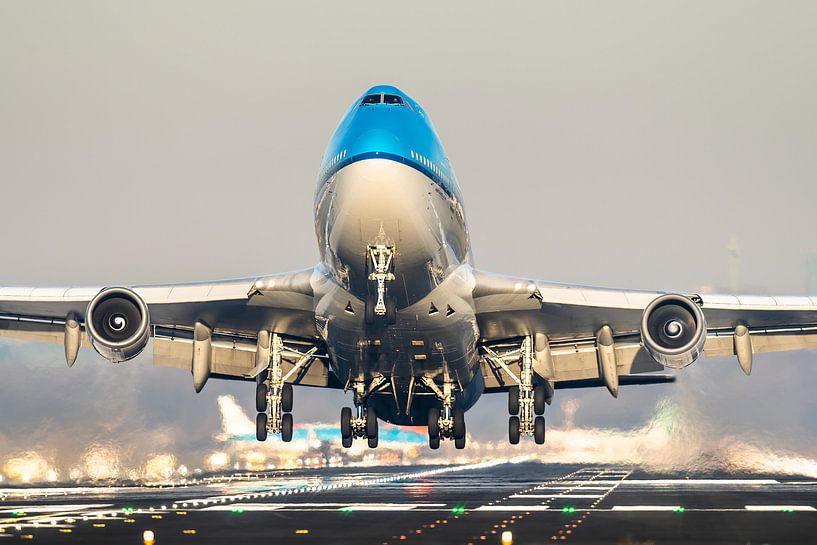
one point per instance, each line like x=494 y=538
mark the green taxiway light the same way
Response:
x=458 y=510
x=678 y=509
x=568 y=509
x=237 y=510
x=18 y=513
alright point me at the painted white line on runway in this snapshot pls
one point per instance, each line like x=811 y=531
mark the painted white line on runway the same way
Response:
x=780 y=508
x=575 y=488
x=547 y=496
x=322 y=506
x=644 y=508
x=512 y=508
x=718 y=482
x=54 y=507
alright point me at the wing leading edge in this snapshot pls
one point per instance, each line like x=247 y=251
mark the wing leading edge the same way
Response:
x=570 y=317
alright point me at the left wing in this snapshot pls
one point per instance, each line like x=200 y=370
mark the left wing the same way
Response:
x=573 y=318
x=234 y=312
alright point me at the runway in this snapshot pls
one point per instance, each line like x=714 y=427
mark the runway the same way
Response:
x=460 y=504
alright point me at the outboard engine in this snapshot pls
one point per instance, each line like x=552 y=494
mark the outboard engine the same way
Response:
x=118 y=324
x=673 y=330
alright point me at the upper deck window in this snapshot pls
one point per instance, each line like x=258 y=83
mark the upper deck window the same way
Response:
x=383 y=99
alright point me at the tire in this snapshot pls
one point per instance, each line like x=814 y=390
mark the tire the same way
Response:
x=513 y=400
x=371 y=425
x=286 y=427
x=434 y=442
x=459 y=442
x=261 y=398
x=434 y=424
x=346 y=424
x=286 y=398
x=372 y=442
x=539 y=430
x=346 y=441
x=368 y=312
x=459 y=424
x=391 y=310
x=539 y=400
x=261 y=427
x=513 y=430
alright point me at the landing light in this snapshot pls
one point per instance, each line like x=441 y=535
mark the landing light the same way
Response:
x=507 y=538
x=148 y=537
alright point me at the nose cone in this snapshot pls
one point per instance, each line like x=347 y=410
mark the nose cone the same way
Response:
x=380 y=140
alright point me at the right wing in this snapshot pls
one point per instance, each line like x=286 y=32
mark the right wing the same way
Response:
x=236 y=310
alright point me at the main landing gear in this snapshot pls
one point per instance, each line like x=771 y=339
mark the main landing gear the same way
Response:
x=273 y=395
x=526 y=402
x=448 y=423
x=363 y=422
x=380 y=270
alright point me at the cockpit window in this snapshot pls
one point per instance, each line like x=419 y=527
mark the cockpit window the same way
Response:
x=383 y=99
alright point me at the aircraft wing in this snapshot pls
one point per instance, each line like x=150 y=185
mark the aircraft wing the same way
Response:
x=234 y=310
x=571 y=318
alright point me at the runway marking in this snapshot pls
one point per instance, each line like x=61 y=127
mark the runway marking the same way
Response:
x=238 y=507
x=643 y=508
x=54 y=507
x=556 y=496
x=780 y=508
x=717 y=482
x=512 y=508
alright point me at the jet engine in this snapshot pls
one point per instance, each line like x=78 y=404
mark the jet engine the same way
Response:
x=673 y=330
x=118 y=324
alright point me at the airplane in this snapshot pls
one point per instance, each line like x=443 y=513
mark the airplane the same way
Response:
x=396 y=313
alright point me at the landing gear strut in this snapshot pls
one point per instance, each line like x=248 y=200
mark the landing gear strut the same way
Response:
x=273 y=395
x=448 y=423
x=364 y=421
x=526 y=402
x=380 y=269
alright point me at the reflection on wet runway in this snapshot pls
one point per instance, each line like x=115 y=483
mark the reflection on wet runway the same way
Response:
x=528 y=501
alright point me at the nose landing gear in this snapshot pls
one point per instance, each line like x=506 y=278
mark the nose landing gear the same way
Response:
x=380 y=270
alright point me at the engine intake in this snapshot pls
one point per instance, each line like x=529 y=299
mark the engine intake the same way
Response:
x=118 y=324
x=673 y=329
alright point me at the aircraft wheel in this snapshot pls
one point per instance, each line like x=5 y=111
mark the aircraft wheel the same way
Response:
x=346 y=441
x=513 y=400
x=372 y=442
x=286 y=398
x=434 y=442
x=391 y=310
x=513 y=430
x=371 y=425
x=434 y=424
x=459 y=424
x=539 y=430
x=261 y=398
x=459 y=442
x=346 y=424
x=286 y=427
x=261 y=427
x=368 y=312
x=539 y=400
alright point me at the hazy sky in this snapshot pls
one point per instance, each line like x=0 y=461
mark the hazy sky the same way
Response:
x=620 y=144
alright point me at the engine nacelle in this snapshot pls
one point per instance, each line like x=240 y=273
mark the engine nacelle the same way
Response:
x=673 y=329
x=118 y=324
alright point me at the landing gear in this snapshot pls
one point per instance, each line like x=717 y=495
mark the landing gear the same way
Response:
x=380 y=270
x=448 y=423
x=273 y=395
x=513 y=430
x=526 y=402
x=364 y=421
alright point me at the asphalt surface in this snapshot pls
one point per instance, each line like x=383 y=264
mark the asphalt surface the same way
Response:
x=537 y=503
